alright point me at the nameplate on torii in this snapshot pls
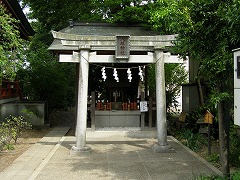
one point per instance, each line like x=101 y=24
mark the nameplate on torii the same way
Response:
x=122 y=49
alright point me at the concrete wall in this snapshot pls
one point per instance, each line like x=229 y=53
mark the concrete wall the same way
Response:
x=117 y=118
x=7 y=100
x=36 y=112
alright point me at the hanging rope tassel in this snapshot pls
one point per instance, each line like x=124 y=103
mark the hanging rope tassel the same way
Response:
x=104 y=74
x=140 y=73
x=129 y=75
x=115 y=74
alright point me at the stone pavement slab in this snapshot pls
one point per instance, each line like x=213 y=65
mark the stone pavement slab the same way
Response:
x=112 y=157
x=32 y=159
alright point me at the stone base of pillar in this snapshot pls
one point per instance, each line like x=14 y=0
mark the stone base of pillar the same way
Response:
x=75 y=151
x=162 y=148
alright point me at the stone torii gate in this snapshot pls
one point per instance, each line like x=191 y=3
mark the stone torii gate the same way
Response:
x=82 y=43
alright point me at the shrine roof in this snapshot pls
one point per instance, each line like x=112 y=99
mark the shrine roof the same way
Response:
x=107 y=29
x=102 y=36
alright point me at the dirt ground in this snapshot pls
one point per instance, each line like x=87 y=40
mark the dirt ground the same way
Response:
x=29 y=137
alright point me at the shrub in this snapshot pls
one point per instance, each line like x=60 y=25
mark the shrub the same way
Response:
x=213 y=158
x=191 y=140
x=209 y=177
x=192 y=118
x=234 y=146
x=12 y=130
x=5 y=135
x=233 y=176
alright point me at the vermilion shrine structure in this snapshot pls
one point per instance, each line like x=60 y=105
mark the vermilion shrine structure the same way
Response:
x=85 y=43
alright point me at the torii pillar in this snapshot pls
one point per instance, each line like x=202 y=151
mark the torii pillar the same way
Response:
x=81 y=126
x=162 y=144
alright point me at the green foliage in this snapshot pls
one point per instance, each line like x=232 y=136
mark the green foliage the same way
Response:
x=127 y=11
x=9 y=147
x=17 y=125
x=204 y=34
x=12 y=130
x=233 y=176
x=45 y=79
x=164 y=15
x=198 y=114
x=5 y=135
x=27 y=113
x=234 y=155
x=207 y=33
x=48 y=12
x=216 y=97
x=175 y=76
x=191 y=140
x=209 y=177
x=213 y=158
x=11 y=46
x=192 y=118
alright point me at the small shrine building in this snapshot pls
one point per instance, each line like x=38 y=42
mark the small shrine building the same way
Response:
x=132 y=46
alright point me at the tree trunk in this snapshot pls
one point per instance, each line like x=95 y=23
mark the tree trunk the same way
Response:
x=200 y=92
x=223 y=141
x=199 y=86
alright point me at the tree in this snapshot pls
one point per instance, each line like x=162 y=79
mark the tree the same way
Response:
x=128 y=11
x=122 y=11
x=207 y=32
x=125 y=11
x=11 y=46
x=45 y=79
x=43 y=65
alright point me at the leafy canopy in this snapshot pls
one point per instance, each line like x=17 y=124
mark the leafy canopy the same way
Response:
x=47 y=15
x=11 y=46
x=207 y=32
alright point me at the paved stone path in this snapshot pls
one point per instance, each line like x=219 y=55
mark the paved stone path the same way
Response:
x=113 y=156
